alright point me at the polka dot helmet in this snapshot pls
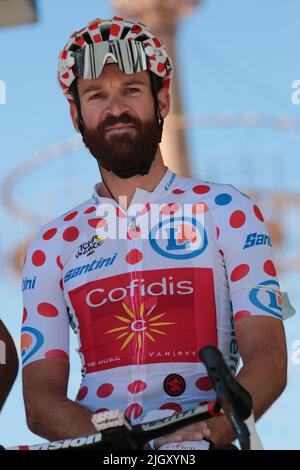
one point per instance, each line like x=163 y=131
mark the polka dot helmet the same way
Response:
x=146 y=50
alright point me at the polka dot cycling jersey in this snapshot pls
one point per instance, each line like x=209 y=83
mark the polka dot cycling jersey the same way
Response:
x=146 y=289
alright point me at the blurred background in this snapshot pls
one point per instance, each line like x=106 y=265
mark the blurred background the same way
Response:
x=235 y=119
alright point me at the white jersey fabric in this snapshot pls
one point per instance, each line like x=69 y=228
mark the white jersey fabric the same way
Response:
x=143 y=305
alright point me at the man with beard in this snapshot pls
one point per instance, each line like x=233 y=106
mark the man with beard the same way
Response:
x=143 y=304
x=8 y=363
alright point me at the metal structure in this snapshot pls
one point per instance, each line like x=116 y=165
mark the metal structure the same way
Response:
x=162 y=17
x=17 y=12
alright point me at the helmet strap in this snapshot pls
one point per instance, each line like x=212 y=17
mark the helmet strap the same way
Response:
x=155 y=90
x=74 y=91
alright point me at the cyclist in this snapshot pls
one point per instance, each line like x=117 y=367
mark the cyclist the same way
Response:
x=148 y=270
x=8 y=363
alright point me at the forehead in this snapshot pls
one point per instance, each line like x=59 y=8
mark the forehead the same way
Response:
x=112 y=75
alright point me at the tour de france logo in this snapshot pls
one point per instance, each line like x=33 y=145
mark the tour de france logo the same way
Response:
x=179 y=238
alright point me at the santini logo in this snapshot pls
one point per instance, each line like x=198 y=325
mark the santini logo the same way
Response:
x=257 y=239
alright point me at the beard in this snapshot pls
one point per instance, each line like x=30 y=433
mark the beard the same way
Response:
x=126 y=154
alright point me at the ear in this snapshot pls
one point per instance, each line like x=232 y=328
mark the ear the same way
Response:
x=164 y=101
x=74 y=116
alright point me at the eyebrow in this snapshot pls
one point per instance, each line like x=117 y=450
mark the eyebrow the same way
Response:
x=98 y=87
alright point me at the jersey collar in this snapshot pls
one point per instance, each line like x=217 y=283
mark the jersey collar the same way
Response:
x=141 y=195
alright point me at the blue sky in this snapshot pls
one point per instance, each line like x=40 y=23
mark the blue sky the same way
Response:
x=233 y=57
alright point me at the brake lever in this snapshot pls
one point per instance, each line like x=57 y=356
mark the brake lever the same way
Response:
x=235 y=401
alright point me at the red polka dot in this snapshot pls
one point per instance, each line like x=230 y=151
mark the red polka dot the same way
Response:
x=105 y=390
x=47 y=310
x=204 y=384
x=82 y=393
x=101 y=410
x=133 y=411
x=80 y=41
x=70 y=216
x=97 y=38
x=57 y=354
x=178 y=191
x=269 y=268
x=258 y=213
x=97 y=223
x=136 y=29
x=93 y=26
x=201 y=189
x=50 y=233
x=160 y=67
x=218 y=232
x=239 y=272
x=171 y=406
x=241 y=314
x=170 y=208
x=24 y=315
x=137 y=386
x=71 y=234
x=134 y=256
x=66 y=75
x=237 y=219
x=59 y=263
x=114 y=30
x=38 y=258
x=89 y=210
x=120 y=213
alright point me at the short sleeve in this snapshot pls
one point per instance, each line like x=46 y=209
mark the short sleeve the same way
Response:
x=246 y=246
x=45 y=326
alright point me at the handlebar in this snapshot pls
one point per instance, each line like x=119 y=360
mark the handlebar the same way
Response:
x=117 y=433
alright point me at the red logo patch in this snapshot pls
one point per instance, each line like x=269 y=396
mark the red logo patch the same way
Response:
x=145 y=317
x=174 y=385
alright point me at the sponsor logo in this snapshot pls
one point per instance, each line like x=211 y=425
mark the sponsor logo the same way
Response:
x=174 y=385
x=28 y=284
x=145 y=317
x=257 y=239
x=179 y=238
x=66 y=444
x=31 y=341
x=267 y=300
x=137 y=287
x=86 y=268
x=88 y=248
x=170 y=182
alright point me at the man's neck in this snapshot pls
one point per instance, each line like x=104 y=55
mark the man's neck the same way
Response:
x=113 y=186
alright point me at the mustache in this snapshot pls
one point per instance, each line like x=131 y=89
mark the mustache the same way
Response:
x=124 y=118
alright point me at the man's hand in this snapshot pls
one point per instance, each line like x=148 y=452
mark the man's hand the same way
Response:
x=262 y=346
x=218 y=430
x=194 y=432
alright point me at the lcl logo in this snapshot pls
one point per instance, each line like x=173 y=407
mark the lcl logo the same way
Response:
x=258 y=295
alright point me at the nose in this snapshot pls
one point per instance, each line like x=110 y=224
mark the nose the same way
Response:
x=115 y=105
